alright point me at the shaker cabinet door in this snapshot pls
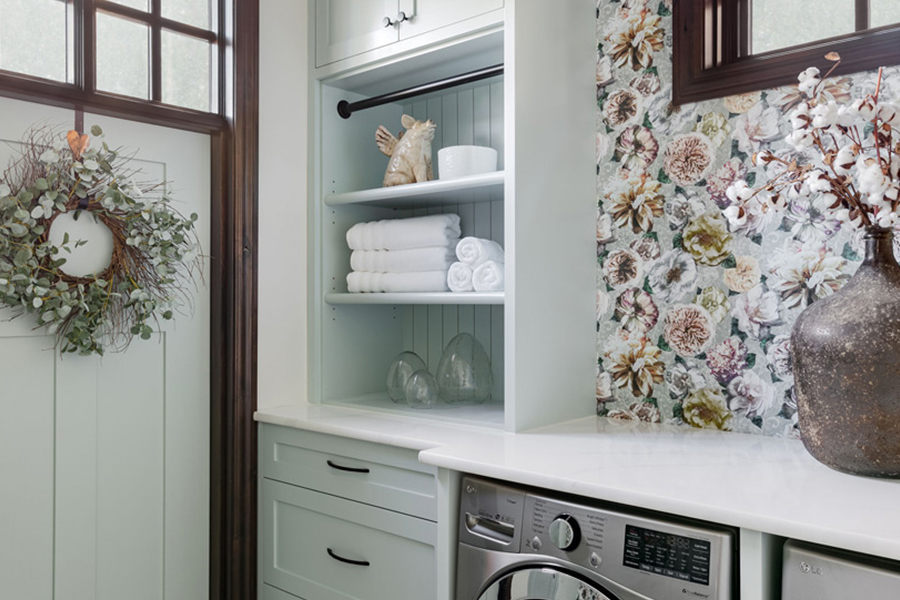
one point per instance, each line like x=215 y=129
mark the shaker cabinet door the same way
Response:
x=320 y=547
x=428 y=15
x=346 y=28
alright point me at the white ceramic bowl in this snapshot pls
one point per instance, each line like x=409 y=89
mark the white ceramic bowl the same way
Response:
x=461 y=161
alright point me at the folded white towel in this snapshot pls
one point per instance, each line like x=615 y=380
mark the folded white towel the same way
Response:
x=434 y=258
x=423 y=281
x=459 y=277
x=474 y=251
x=403 y=234
x=488 y=277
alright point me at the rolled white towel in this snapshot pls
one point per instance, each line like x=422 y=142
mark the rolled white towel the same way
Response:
x=423 y=281
x=488 y=277
x=474 y=251
x=404 y=234
x=459 y=277
x=434 y=258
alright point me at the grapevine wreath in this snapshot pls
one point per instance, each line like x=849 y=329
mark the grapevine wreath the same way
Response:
x=155 y=252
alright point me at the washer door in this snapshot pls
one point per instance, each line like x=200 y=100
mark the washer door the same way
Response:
x=544 y=583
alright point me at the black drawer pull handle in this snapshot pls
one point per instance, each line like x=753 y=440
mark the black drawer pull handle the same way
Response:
x=343 y=468
x=359 y=563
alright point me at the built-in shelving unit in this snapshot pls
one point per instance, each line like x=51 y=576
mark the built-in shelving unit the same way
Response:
x=465 y=190
x=540 y=206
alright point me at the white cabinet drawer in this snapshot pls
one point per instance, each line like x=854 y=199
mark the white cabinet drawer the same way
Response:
x=383 y=476
x=309 y=535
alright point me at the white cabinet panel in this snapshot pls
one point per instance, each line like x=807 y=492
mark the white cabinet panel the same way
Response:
x=345 y=28
x=428 y=15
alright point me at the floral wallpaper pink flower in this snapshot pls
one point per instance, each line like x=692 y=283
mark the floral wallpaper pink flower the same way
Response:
x=693 y=315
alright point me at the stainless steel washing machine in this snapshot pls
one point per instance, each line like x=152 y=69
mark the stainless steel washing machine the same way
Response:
x=815 y=573
x=519 y=544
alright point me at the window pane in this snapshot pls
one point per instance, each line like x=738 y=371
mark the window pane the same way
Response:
x=777 y=23
x=34 y=35
x=884 y=12
x=138 y=4
x=192 y=12
x=123 y=61
x=186 y=71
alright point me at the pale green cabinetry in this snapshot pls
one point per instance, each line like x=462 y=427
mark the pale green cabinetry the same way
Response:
x=343 y=519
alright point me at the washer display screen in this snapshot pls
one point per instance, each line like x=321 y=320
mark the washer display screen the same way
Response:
x=666 y=554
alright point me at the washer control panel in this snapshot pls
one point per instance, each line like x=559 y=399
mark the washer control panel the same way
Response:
x=657 y=558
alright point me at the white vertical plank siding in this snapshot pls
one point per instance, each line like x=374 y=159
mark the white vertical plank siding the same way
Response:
x=26 y=466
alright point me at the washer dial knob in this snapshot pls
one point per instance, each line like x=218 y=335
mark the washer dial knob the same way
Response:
x=564 y=532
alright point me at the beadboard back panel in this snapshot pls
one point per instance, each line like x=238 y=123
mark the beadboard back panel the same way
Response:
x=105 y=461
x=359 y=342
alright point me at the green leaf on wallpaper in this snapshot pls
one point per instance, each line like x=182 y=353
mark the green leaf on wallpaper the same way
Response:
x=679 y=360
x=600 y=47
x=662 y=177
x=757 y=420
x=652 y=70
x=615 y=317
x=751 y=359
x=736 y=151
x=730 y=262
x=678 y=240
x=652 y=235
x=678 y=411
x=652 y=401
x=701 y=183
x=763 y=278
x=610 y=288
x=869 y=128
x=784 y=225
x=647 y=122
x=679 y=189
x=850 y=254
x=663 y=345
x=602 y=256
x=663 y=10
x=602 y=411
x=776 y=379
x=766 y=340
x=750 y=179
x=736 y=331
x=647 y=287
x=701 y=356
x=757 y=239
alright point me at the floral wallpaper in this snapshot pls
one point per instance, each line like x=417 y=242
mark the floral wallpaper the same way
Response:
x=694 y=318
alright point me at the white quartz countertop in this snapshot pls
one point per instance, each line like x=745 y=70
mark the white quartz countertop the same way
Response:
x=754 y=482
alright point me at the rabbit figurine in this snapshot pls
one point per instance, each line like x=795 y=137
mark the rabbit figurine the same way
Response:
x=410 y=152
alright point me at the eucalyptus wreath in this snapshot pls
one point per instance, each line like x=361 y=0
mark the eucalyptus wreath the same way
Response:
x=155 y=252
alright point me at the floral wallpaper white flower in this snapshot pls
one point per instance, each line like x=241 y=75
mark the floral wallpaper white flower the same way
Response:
x=694 y=316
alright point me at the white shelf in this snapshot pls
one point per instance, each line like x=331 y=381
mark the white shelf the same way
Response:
x=448 y=298
x=488 y=415
x=465 y=190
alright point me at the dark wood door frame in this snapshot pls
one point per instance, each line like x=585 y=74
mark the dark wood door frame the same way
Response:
x=234 y=446
x=233 y=277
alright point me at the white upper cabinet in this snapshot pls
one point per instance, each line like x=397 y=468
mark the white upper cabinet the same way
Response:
x=346 y=28
x=422 y=16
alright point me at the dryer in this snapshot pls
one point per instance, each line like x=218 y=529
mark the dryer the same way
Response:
x=812 y=572
x=518 y=544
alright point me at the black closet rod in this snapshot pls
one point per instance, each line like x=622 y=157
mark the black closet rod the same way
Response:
x=345 y=109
